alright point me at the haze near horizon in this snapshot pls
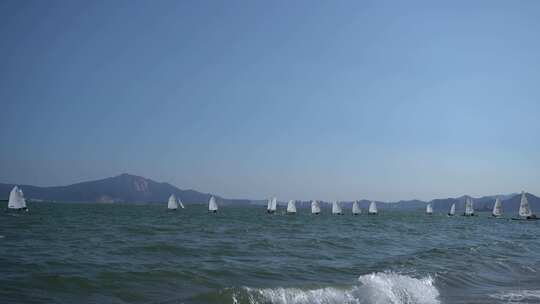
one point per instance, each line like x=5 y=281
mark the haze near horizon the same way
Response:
x=250 y=99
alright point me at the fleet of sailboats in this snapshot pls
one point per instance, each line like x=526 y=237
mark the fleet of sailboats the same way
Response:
x=18 y=202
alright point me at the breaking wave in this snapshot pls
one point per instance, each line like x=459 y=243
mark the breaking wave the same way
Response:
x=375 y=288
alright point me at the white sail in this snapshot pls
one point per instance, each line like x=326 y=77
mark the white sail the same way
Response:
x=429 y=209
x=497 y=208
x=524 y=208
x=356 y=208
x=469 y=209
x=173 y=203
x=452 y=209
x=212 y=205
x=315 y=208
x=336 y=208
x=372 y=208
x=16 y=199
x=272 y=205
x=291 y=207
x=180 y=203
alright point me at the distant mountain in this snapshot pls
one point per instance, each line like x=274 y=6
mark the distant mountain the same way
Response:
x=127 y=188
x=122 y=188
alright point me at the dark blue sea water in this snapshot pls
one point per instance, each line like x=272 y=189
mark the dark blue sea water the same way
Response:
x=75 y=253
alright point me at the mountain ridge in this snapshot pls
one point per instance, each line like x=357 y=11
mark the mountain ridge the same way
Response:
x=129 y=188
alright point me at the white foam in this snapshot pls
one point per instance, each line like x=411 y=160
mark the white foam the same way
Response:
x=518 y=295
x=386 y=287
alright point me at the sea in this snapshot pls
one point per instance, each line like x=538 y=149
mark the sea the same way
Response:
x=122 y=253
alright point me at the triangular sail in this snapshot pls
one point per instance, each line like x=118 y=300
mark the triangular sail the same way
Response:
x=180 y=203
x=372 y=208
x=315 y=208
x=173 y=203
x=291 y=207
x=16 y=199
x=469 y=209
x=524 y=208
x=272 y=204
x=212 y=205
x=497 y=208
x=336 y=208
x=429 y=209
x=452 y=209
x=356 y=208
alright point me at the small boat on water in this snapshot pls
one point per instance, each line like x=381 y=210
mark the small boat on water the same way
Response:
x=291 y=206
x=356 y=208
x=469 y=208
x=180 y=204
x=336 y=208
x=315 y=207
x=16 y=200
x=271 y=206
x=525 y=212
x=429 y=209
x=172 y=204
x=497 y=208
x=212 y=205
x=452 y=211
x=372 y=208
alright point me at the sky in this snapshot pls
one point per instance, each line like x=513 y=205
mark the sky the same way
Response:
x=333 y=100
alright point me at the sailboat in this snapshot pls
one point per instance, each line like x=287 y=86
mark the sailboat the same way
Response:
x=336 y=208
x=372 y=208
x=525 y=212
x=452 y=210
x=272 y=205
x=469 y=209
x=356 y=208
x=16 y=199
x=173 y=203
x=180 y=203
x=212 y=205
x=497 y=208
x=291 y=207
x=315 y=208
x=429 y=209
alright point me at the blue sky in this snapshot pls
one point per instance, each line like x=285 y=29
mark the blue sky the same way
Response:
x=300 y=99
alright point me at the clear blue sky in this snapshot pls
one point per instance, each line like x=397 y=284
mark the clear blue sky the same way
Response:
x=300 y=99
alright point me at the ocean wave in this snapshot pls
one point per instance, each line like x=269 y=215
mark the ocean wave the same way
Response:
x=375 y=288
x=518 y=296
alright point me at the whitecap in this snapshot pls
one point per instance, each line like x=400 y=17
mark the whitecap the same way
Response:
x=389 y=287
x=375 y=288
